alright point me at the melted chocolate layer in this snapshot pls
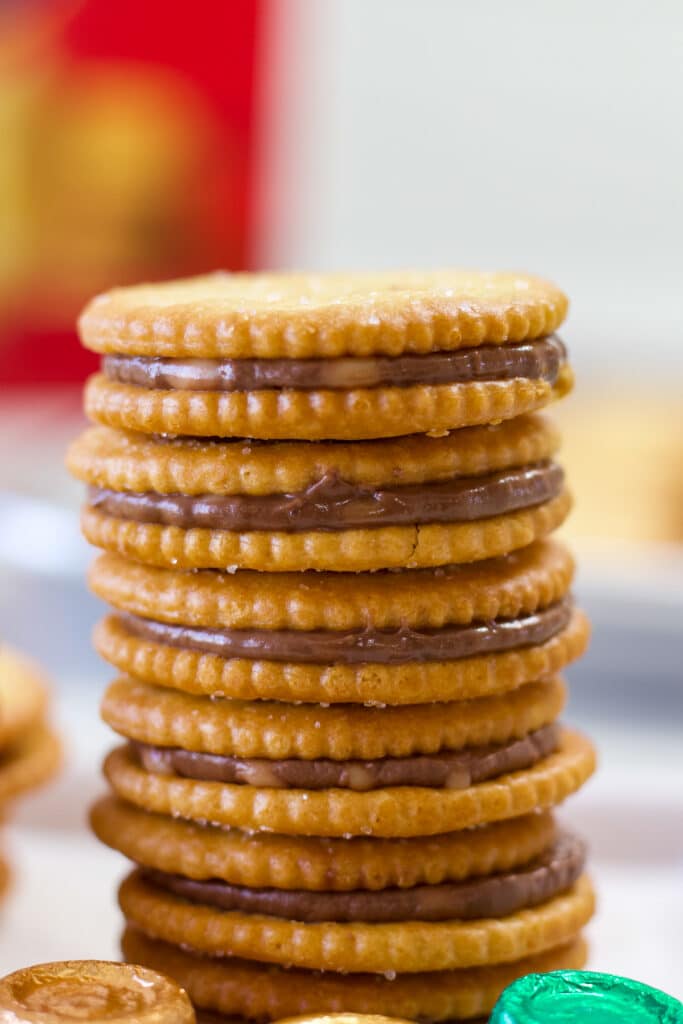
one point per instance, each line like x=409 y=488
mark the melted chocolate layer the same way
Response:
x=536 y=360
x=333 y=504
x=376 y=646
x=495 y=896
x=452 y=770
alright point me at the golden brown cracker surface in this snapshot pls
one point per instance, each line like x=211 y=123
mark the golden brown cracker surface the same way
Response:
x=287 y=414
x=392 y=812
x=405 y=947
x=267 y=860
x=350 y=550
x=125 y=461
x=500 y=588
x=275 y=730
x=264 y=991
x=295 y=315
x=411 y=683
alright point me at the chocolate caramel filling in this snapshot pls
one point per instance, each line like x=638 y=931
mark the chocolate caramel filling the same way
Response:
x=450 y=770
x=549 y=874
x=535 y=360
x=368 y=646
x=332 y=504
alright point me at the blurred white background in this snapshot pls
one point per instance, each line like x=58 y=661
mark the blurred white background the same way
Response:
x=531 y=135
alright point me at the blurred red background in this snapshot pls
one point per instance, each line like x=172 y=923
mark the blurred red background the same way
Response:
x=128 y=155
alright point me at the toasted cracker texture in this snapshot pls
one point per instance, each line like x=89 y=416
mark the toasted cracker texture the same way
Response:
x=411 y=683
x=353 y=550
x=406 y=946
x=392 y=812
x=322 y=315
x=266 y=860
x=286 y=414
x=505 y=587
x=268 y=729
x=261 y=991
x=126 y=461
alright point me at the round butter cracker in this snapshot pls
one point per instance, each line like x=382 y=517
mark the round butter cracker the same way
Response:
x=260 y=991
x=304 y=315
x=266 y=860
x=406 y=947
x=392 y=812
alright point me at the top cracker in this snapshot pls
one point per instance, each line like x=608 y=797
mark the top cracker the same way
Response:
x=312 y=357
x=298 y=315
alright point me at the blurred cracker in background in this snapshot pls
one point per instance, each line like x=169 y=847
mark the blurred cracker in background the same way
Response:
x=623 y=453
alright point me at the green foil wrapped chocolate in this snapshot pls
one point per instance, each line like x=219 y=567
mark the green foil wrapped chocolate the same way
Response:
x=572 y=997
